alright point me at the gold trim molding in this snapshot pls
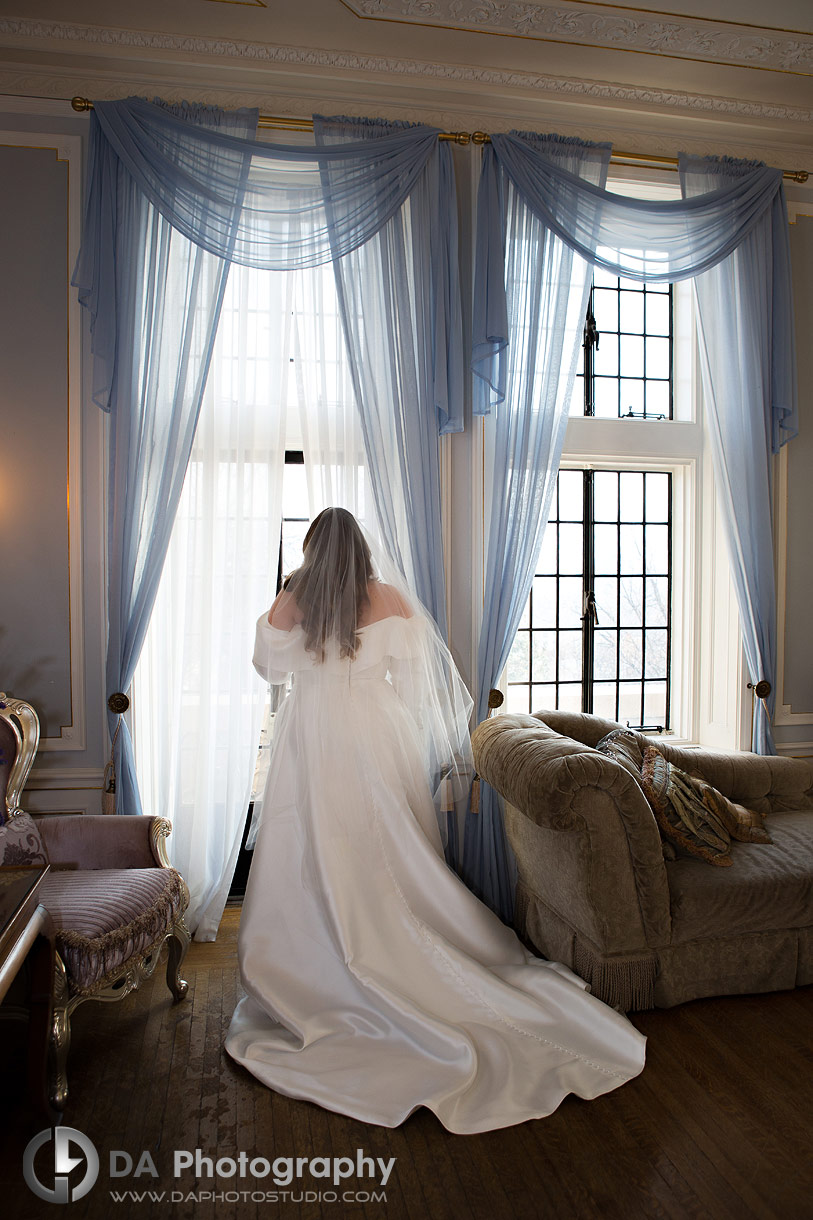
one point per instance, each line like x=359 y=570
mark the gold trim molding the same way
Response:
x=669 y=35
x=631 y=8
x=312 y=61
x=68 y=149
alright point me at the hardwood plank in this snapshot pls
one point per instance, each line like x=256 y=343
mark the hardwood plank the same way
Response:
x=441 y=1189
x=620 y=1183
x=627 y=1118
x=245 y=1131
x=481 y=1185
x=723 y=1072
x=220 y=954
x=715 y=1128
x=143 y=1100
x=684 y=1094
x=163 y=1111
x=548 y=1139
x=770 y=1090
x=229 y=1138
x=516 y=1154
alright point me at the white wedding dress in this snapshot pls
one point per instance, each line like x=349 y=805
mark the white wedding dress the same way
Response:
x=375 y=981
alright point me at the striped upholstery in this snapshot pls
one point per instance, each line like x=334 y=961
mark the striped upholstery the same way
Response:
x=103 y=917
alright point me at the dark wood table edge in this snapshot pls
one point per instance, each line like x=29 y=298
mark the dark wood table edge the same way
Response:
x=30 y=934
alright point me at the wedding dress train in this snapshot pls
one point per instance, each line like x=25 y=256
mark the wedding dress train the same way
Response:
x=375 y=981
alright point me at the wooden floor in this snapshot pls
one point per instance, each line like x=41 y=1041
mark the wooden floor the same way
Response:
x=718 y=1126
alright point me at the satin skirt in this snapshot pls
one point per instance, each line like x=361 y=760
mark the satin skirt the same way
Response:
x=375 y=981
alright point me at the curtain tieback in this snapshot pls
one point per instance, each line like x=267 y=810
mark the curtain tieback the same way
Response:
x=117 y=704
x=761 y=689
x=495 y=700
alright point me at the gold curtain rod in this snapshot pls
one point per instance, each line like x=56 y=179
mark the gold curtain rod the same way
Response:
x=282 y=123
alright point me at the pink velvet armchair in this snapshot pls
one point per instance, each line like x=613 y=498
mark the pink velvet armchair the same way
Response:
x=113 y=897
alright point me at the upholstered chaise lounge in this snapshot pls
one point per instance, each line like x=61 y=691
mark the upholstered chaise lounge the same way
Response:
x=111 y=892
x=595 y=891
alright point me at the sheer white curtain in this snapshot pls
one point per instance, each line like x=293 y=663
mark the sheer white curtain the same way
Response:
x=323 y=424
x=323 y=420
x=279 y=380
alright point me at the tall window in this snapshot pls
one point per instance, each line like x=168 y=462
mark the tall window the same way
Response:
x=627 y=354
x=295 y=514
x=596 y=634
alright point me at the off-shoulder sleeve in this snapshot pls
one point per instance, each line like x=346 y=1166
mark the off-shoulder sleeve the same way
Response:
x=278 y=653
x=425 y=677
x=390 y=638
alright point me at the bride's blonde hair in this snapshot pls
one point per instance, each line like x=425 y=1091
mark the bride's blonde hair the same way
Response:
x=330 y=588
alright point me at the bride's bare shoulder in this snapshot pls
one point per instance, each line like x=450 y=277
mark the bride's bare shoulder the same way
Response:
x=285 y=613
x=386 y=602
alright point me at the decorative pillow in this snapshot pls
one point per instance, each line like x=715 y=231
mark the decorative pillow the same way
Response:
x=744 y=825
x=20 y=842
x=625 y=747
x=681 y=812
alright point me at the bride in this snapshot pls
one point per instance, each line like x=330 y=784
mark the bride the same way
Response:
x=375 y=981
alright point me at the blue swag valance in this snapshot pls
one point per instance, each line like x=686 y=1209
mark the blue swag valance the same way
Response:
x=725 y=203
x=175 y=195
x=271 y=206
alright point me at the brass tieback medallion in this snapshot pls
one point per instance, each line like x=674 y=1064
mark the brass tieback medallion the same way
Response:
x=761 y=689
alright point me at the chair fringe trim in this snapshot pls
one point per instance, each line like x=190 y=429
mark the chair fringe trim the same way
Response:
x=118 y=971
x=625 y=983
x=102 y=953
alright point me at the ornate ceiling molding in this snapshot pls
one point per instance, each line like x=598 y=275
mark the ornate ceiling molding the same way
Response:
x=648 y=33
x=25 y=31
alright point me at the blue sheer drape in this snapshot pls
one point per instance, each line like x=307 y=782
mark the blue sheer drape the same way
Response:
x=739 y=219
x=154 y=299
x=544 y=304
x=170 y=204
x=190 y=178
x=405 y=356
x=194 y=175
x=745 y=331
x=641 y=239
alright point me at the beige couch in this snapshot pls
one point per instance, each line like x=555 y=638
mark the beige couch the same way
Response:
x=596 y=893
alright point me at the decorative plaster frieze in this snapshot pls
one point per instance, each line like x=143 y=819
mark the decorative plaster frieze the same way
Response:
x=684 y=37
x=26 y=92
x=24 y=30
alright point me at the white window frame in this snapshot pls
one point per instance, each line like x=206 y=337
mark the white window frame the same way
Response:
x=709 y=701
